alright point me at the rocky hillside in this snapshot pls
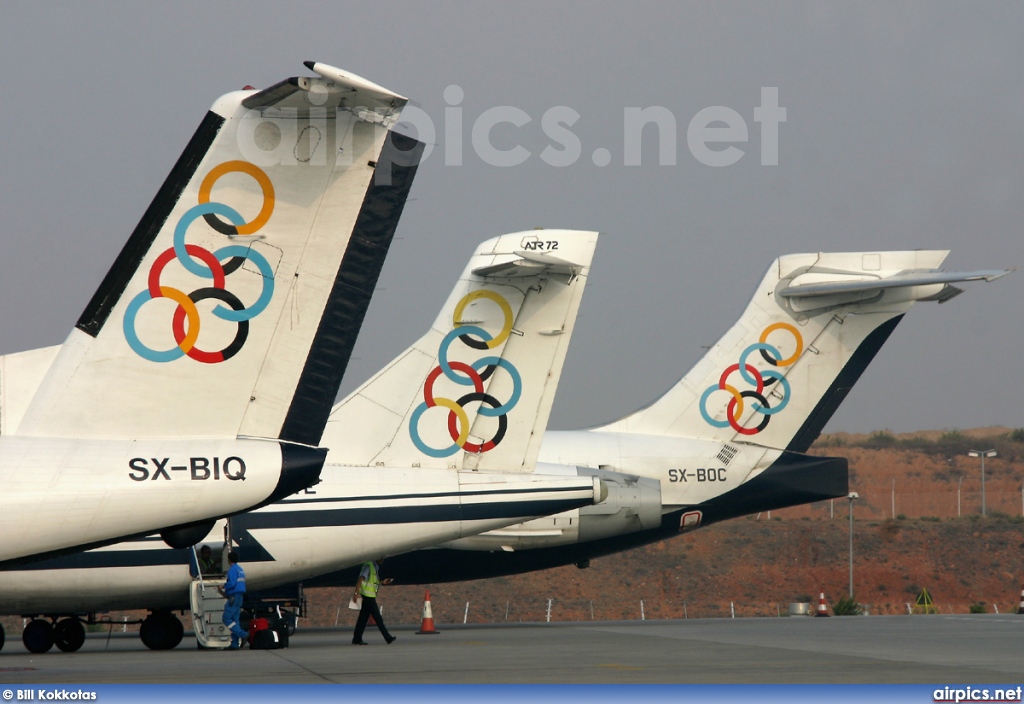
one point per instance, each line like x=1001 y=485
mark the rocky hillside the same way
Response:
x=756 y=567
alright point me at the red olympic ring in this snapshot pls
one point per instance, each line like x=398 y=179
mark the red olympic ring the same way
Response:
x=428 y=385
x=735 y=368
x=197 y=252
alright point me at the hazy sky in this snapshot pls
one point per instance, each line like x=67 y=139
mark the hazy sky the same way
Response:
x=903 y=130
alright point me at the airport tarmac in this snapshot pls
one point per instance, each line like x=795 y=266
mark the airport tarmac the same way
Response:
x=872 y=649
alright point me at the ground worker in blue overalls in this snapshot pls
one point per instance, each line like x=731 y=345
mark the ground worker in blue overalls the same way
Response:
x=234 y=590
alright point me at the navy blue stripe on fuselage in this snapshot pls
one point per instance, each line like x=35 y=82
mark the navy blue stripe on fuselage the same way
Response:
x=95 y=559
x=432 y=495
x=384 y=515
x=391 y=515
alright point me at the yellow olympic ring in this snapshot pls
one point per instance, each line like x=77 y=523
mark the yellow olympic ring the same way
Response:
x=191 y=312
x=506 y=309
x=460 y=413
x=261 y=178
x=796 y=335
x=739 y=399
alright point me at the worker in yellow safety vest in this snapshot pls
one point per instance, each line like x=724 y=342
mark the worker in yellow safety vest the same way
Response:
x=366 y=589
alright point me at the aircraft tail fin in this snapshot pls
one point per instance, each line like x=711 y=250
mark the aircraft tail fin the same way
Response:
x=814 y=324
x=476 y=391
x=233 y=307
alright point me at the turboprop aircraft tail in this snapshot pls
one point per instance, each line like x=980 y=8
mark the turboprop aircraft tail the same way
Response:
x=476 y=391
x=814 y=324
x=233 y=308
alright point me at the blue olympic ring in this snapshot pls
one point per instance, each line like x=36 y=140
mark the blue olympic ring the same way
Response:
x=182 y=227
x=753 y=348
x=758 y=408
x=414 y=421
x=133 y=339
x=517 y=385
x=236 y=250
x=442 y=352
x=704 y=412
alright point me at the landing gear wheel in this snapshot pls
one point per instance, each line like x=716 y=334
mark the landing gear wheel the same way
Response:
x=175 y=631
x=161 y=630
x=69 y=634
x=38 y=636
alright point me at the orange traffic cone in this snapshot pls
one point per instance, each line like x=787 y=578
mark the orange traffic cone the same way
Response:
x=822 y=609
x=427 y=627
x=1020 y=608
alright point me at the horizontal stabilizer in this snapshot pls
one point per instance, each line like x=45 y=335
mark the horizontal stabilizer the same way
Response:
x=845 y=283
x=350 y=81
x=528 y=264
x=333 y=90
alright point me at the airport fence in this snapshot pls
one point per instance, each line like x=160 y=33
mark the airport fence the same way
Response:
x=403 y=612
x=880 y=501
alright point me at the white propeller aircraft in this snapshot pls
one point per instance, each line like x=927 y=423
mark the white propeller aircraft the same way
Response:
x=416 y=458
x=198 y=380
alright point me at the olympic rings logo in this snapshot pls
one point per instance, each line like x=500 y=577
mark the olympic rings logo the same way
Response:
x=216 y=266
x=759 y=379
x=469 y=375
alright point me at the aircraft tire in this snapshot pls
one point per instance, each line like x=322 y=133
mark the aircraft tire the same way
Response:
x=161 y=630
x=69 y=634
x=177 y=631
x=38 y=636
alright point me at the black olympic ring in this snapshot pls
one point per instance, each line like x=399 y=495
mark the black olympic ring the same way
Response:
x=234 y=347
x=502 y=420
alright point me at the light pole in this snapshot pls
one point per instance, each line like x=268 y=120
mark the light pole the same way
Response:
x=958 y=485
x=851 y=496
x=982 y=454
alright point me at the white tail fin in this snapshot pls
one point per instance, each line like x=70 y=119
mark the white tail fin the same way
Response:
x=475 y=391
x=233 y=308
x=814 y=324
